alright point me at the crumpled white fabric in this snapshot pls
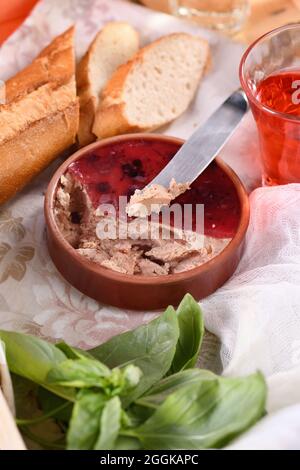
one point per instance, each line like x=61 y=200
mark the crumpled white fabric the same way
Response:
x=278 y=431
x=256 y=314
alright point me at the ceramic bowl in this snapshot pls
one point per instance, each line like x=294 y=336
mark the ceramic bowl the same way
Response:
x=134 y=291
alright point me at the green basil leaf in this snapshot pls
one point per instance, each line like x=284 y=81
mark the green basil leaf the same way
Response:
x=123 y=381
x=205 y=415
x=191 y=332
x=127 y=443
x=150 y=347
x=26 y=397
x=85 y=421
x=160 y=391
x=131 y=378
x=71 y=352
x=39 y=428
x=110 y=425
x=50 y=402
x=33 y=358
x=80 y=373
x=139 y=413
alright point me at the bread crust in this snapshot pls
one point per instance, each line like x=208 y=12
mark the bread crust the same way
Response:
x=86 y=119
x=51 y=136
x=86 y=102
x=89 y=102
x=46 y=100
x=40 y=117
x=55 y=64
x=110 y=119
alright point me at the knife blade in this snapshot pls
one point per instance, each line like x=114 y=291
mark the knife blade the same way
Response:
x=205 y=143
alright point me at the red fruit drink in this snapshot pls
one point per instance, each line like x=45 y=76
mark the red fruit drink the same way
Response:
x=279 y=130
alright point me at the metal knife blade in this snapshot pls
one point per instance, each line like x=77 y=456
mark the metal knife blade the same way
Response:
x=205 y=143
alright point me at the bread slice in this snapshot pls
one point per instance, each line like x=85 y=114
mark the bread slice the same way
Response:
x=39 y=119
x=154 y=88
x=114 y=45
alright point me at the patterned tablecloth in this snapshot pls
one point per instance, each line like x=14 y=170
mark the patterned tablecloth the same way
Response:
x=34 y=298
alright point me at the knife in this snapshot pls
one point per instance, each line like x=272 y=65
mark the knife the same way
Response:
x=205 y=143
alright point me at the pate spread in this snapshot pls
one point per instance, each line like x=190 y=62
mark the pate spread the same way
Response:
x=104 y=175
x=139 y=254
x=152 y=198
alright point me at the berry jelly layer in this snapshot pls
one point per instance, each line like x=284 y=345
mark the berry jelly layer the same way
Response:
x=119 y=169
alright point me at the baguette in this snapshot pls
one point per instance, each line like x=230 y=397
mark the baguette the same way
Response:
x=114 y=45
x=39 y=119
x=154 y=88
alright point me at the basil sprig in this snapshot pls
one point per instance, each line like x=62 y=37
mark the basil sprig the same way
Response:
x=139 y=390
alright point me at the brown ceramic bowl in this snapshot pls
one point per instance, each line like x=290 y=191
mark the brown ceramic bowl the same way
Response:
x=142 y=292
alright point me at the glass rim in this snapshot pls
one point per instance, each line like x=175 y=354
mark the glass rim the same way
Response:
x=250 y=95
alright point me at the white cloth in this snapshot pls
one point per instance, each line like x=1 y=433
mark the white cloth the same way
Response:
x=256 y=314
x=278 y=431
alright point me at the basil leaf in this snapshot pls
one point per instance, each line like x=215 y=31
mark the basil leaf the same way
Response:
x=138 y=414
x=39 y=428
x=26 y=397
x=205 y=415
x=127 y=443
x=110 y=425
x=50 y=402
x=80 y=373
x=71 y=352
x=191 y=332
x=160 y=391
x=150 y=347
x=123 y=381
x=85 y=421
x=32 y=358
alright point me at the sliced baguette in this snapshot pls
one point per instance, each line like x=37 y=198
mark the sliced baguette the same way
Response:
x=114 y=45
x=154 y=88
x=39 y=119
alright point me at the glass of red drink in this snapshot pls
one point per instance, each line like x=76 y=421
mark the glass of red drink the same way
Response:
x=270 y=76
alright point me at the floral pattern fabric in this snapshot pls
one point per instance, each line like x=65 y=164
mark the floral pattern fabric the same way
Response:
x=34 y=298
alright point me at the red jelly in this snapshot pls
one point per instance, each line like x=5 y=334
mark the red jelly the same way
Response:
x=119 y=169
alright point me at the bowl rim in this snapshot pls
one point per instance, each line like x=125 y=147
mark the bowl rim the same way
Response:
x=166 y=279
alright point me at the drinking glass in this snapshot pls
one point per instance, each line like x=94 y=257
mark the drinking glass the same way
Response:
x=271 y=67
x=227 y=15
